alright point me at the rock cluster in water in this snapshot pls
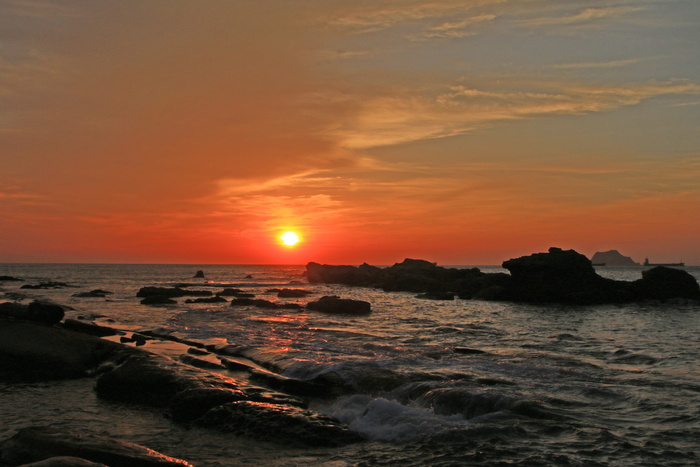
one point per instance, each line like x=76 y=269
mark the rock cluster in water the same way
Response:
x=558 y=276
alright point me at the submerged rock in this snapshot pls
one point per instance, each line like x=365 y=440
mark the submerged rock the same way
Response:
x=278 y=423
x=39 y=443
x=337 y=305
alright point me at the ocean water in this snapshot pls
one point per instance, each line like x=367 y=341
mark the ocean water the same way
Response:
x=461 y=382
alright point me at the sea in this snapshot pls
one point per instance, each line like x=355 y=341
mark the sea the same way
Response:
x=435 y=383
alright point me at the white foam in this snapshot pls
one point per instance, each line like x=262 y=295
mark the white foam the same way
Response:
x=380 y=419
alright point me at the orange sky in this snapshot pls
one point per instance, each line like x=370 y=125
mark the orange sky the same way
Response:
x=462 y=132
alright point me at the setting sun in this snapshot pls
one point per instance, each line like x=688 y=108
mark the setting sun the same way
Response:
x=289 y=238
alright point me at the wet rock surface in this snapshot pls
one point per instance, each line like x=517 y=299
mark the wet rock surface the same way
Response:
x=40 y=443
x=281 y=423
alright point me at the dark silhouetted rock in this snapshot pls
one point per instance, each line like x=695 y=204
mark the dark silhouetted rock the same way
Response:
x=335 y=305
x=45 y=312
x=557 y=276
x=663 y=283
x=38 y=443
x=10 y=279
x=199 y=275
x=14 y=310
x=172 y=292
x=214 y=299
x=612 y=258
x=39 y=311
x=46 y=285
x=277 y=423
x=158 y=300
x=191 y=404
x=97 y=293
x=257 y=302
x=229 y=292
x=36 y=352
x=88 y=328
x=293 y=293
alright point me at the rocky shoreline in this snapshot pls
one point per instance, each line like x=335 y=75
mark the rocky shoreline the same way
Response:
x=213 y=387
x=558 y=276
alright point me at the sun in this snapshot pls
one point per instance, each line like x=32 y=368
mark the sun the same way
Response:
x=289 y=238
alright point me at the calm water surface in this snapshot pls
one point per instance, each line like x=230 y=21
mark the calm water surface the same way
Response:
x=435 y=383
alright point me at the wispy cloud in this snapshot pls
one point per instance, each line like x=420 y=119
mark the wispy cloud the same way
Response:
x=605 y=64
x=586 y=16
x=411 y=115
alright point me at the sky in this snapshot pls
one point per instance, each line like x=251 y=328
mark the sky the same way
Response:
x=461 y=132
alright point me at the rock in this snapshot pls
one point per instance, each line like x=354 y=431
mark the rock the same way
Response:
x=557 y=276
x=10 y=278
x=46 y=285
x=35 y=352
x=258 y=302
x=39 y=443
x=612 y=258
x=190 y=404
x=229 y=292
x=171 y=292
x=14 y=310
x=293 y=293
x=199 y=275
x=45 y=312
x=145 y=378
x=97 y=293
x=214 y=299
x=278 y=423
x=663 y=283
x=336 y=305
x=89 y=328
x=64 y=461
x=39 y=311
x=249 y=276
x=158 y=300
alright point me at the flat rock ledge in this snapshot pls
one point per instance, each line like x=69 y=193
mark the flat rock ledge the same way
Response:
x=558 y=276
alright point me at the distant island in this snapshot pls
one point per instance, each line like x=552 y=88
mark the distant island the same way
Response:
x=612 y=258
